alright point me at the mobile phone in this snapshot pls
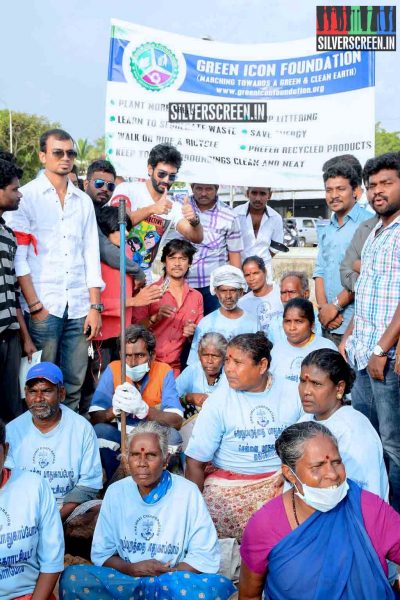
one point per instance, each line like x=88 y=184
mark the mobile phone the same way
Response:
x=165 y=285
x=88 y=331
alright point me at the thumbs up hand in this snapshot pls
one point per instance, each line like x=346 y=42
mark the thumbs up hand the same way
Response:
x=189 y=213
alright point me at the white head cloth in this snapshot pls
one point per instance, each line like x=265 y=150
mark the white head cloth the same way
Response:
x=227 y=275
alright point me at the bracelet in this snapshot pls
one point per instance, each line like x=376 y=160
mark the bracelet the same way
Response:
x=34 y=312
x=34 y=303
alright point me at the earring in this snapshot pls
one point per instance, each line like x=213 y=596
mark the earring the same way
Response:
x=339 y=396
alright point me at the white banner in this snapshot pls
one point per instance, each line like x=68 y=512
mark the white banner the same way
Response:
x=319 y=104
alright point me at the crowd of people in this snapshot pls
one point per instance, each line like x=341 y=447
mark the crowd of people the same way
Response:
x=252 y=414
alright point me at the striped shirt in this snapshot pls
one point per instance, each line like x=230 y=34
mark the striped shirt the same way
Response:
x=8 y=281
x=221 y=234
x=377 y=292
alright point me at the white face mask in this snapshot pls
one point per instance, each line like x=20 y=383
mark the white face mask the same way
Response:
x=322 y=499
x=137 y=373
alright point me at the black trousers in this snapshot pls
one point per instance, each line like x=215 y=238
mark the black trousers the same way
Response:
x=11 y=404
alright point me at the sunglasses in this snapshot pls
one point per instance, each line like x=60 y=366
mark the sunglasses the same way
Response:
x=164 y=174
x=58 y=153
x=99 y=183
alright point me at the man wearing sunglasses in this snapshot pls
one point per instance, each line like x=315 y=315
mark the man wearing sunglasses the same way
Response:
x=100 y=182
x=58 y=263
x=152 y=212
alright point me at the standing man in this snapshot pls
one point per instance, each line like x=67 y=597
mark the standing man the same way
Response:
x=376 y=329
x=58 y=264
x=100 y=182
x=334 y=302
x=259 y=224
x=12 y=324
x=152 y=212
x=221 y=245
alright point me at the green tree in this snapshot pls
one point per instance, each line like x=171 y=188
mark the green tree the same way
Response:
x=386 y=141
x=84 y=150
x=26 y=131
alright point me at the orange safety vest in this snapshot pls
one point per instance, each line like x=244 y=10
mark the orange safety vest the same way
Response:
x=152 y=393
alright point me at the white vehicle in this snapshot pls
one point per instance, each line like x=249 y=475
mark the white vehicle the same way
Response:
x=307 y=230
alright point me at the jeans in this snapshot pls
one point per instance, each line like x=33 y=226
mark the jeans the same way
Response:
x=380 y=402
x=63 y=342
x=210 y=302
x=110 y=440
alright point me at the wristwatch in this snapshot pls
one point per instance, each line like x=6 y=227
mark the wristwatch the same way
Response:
x=378 y=351
x=195 y=222
x=98 y=307
x=337 y=304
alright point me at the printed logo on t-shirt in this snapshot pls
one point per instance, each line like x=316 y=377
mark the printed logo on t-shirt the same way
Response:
x=144 y=240
x=295 y=368
x=147 y=527
x=262 y=416
x=5 y=520
x=43 y=457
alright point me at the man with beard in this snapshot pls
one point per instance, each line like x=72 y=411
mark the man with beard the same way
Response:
x=151 y=211
x=52 y=440
x=228 y=284
x=100 y=182
x=371 y=346
x=335 y=303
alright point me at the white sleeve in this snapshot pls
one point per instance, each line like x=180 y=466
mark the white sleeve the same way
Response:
x=104 y=544
x=208 y=429
x=19 y=222
x=203 y=551
x=184 y=382
x=50 y=549
x=91 y=473
x=91 y=252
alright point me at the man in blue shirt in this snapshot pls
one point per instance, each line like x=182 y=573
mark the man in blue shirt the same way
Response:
x=335 y=303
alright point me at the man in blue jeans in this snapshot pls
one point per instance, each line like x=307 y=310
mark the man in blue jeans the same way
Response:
x=373 y=336
x=57 y=263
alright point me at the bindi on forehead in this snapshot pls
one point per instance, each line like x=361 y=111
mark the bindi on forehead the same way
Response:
x=142 y=449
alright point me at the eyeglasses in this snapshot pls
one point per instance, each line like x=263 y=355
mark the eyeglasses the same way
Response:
x=164 y=174
x=99 y=183
x=59 y=153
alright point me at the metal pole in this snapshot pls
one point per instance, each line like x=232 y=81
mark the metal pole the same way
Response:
x=122 y=271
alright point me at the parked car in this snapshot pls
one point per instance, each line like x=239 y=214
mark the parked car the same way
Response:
x=307 y=230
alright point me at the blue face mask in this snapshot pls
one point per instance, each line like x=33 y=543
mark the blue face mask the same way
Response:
x=137 y=373
x=322 y=499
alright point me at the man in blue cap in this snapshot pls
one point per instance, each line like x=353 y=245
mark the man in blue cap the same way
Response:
x=54 y=441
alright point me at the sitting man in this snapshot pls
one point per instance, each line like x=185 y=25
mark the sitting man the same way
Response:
x=148 y=393
x=228 y=284
x=54 y=441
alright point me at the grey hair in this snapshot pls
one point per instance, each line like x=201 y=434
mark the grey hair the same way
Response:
x=305 y=287
x=161 y=431
x=290 y=444
x=212 y=338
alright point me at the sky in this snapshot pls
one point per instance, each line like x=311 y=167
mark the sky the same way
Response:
x=55 y=54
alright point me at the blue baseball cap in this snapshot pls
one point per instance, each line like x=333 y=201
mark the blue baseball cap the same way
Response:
x=46 y=370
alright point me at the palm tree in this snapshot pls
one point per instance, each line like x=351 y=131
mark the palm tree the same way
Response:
x=84 y=150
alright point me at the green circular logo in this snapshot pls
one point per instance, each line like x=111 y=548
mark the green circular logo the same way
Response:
x=154 y=66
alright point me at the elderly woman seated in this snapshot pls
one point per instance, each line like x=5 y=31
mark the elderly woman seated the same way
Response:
x=325 y=537
x=31 y=538
x=204 y=377
x=236 y=431
x=154 y=536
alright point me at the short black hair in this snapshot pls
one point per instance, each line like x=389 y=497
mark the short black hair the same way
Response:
x=257 y=345
x=59 y=134
x=255 y=259
x=8 y=156
x=138 y=332
x=2 y=433
x=389 y=160
x=349 y=159
x=8 y=172
x=165 y=153
x=177 y=245
x=333 y=364
x=107 y=220
x=342 y=169
x=304 y=306
x=100 y=165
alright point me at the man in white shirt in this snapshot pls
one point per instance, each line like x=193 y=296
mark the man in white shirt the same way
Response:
x=259 y=224
x=152 y=212
x=58 y=263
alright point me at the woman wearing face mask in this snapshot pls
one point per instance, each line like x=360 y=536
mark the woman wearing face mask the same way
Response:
x=325 y=537
x=298 y=325
x=325 y=379
x=149 y=392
